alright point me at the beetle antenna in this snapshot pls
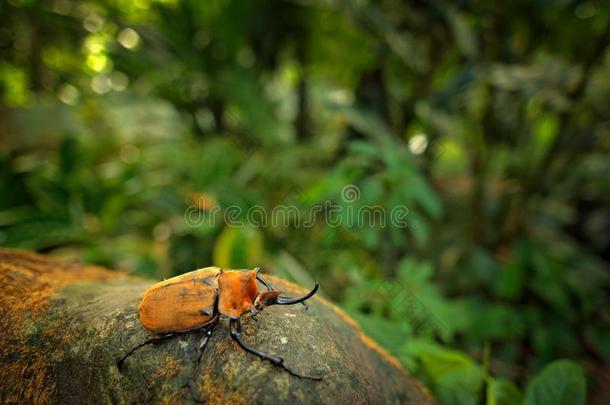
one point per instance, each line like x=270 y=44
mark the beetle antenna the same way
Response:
x=296 y=300
x=263 y=282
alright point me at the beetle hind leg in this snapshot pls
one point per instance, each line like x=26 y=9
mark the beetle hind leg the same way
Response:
x=154 y=340
x=235 y=325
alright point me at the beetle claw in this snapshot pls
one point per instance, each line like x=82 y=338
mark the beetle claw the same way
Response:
x=279 y=362
x=255 y=312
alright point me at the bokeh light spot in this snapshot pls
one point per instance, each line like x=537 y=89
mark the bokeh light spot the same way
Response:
x=129 y=38
x=101 y=84
x=68 y=94
x=418 y=144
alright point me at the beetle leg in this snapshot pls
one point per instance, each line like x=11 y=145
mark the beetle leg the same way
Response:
x=254 y=312
x=235 y=325
x=207 y=334
x=204 y=341
x=154 y=340
x=208 y=329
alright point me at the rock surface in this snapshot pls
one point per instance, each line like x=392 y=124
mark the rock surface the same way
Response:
x=64 y=324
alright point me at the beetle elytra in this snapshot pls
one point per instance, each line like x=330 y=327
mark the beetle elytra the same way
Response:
x=197 y=300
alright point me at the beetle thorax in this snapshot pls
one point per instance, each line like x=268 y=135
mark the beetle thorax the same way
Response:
x=237 y=291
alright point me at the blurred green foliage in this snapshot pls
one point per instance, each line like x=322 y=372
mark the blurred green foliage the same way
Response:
x=123 y=121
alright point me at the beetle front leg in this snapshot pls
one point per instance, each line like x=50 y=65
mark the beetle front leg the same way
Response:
x=204 y=341
x=207 y=334
x=235 y=325
x=254 y=314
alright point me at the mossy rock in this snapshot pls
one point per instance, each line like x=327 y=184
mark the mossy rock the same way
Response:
x=64 y=324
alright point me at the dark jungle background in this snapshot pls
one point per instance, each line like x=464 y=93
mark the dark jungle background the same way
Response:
x=122 y=122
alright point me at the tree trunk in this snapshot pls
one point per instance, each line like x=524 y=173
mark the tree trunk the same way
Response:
x=63 y=325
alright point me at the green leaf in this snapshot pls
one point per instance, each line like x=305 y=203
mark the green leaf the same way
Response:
x=238 y=248
x=497 y=321
x=544 y=132
x=464 y=35
x=560 y=383
x=502 y=392
x=388 y=333
x=600 y=340
x=457 y=379
x=69 y=155
x=453 y=377
x=427 y=199
x=511 y=280
x=419 y=228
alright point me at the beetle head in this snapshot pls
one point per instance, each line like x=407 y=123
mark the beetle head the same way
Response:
x=265 y=299
x=272 y=297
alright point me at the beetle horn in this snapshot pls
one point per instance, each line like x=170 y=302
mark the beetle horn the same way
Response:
x=273 y=298
x=296 y=300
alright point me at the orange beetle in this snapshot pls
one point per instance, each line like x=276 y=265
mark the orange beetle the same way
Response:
x=198 y=299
